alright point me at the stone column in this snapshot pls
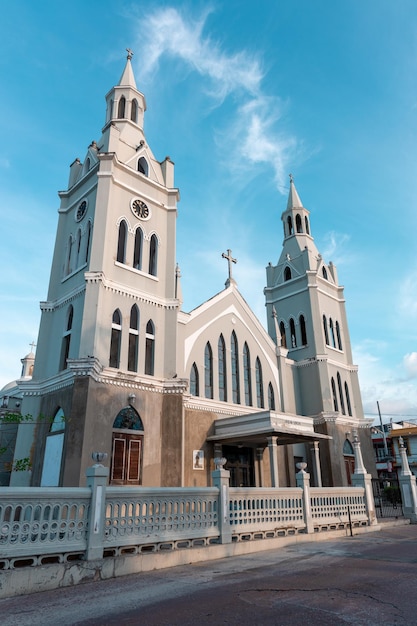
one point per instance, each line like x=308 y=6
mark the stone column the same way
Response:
x=303 y=481
x=360 y=478
x=316 y=464
x=273 y=460
x=408 y=485
x=221 y=480
x=97 y=476
x=259 y=459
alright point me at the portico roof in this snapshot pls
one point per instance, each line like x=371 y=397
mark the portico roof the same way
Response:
x=255 y=428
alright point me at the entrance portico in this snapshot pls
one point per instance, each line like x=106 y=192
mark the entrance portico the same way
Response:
x=242 y=439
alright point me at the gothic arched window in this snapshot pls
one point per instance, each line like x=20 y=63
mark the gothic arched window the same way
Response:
x=88 y=240
x=326 y=332
x=132 y=358
x=137 y=253
x=68 y=268
x=298 y=223
x=342 y=402
x=292 y=334
x=287 y=273
x=289 y=223
x=122 y=107
x=134 y=111
x=115 y=341
x=194 y=381
x=150 y=349
x=78 y=248
x=235 y=369
x=339 y=338
x=121 y=242
x=271 y=397
x=303 y=330
x=221 y=348
x=259 y=384
x=247 y=378
x=332 y=335
x=283 y=335
x=153 y=255
x=335 y=404
x=54 y=445
x=349 y=406
x=66 y=339
x=208 y=371
x=324 y=272
x=307 y=225
x=143 y=167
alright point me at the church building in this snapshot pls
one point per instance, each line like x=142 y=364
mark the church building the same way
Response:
x=120 y=368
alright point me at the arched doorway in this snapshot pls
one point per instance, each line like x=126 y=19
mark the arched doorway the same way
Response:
x=54 y=445
x=127 y=448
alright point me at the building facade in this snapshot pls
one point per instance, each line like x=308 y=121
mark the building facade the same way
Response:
x=122 y=369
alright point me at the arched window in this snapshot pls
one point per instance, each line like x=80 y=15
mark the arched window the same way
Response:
x=349 y=458
x=150 y=349
x=349 y=406
x=54 y=445
x=332 y=335
x=335 y=404
x=143 y=167
x=235 y=369
x=66 y=339
x=307 y=225
x=221 y=348
x=88 y=241
x=126 y=458
x=87 y=165
x=109 y=114
x=115 y=341
x=339 y=338
x=298 y=223
x=324 y=272
x=137 y=254
x=303 y=330
x=283 y=335
x=68 y=268
x=342 y=402
x=132 y=358
x=292 y=334
x=271 y=397
x=326 y=332
x=78 y=248
x=208 y=371
x=134 y=111
x=121 y=108
x=247 y=379
x=287 y=273
x=121 y=242
x=153 y=255
x=194 y=381
x=259 y=385
x=289 y=223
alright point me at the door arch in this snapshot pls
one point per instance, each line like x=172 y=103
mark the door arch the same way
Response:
x=127 y=448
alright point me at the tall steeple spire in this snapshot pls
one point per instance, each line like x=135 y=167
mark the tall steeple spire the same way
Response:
x=127 y=79
x=293 y=197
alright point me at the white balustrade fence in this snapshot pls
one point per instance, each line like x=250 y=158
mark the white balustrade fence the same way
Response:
x=46 y=524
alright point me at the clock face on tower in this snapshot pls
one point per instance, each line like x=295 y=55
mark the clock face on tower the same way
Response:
x=140 y=209
x=81 y=210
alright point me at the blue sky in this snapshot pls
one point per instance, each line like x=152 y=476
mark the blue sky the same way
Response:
x=239 y=95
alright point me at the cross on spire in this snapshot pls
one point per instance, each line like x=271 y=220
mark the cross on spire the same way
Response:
x=129 y=53
x=32 y=345
x=230 y=260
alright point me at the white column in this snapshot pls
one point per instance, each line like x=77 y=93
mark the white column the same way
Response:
x=273 y=460
x=408 y=485
x=316 y=464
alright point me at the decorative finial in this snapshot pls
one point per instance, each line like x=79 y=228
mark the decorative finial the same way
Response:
x=291 y=178
x=230 y=260
x=129 y=54
x=32 y=345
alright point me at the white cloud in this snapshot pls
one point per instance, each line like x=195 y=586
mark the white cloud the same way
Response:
x=407 y=299
x=335 y=245
x=410 y=364
x=254 y=136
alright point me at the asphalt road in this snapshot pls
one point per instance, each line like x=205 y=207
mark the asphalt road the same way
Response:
x=363 y=580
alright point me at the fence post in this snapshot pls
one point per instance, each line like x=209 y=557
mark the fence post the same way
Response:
x=221 y=478
x=303 y=481
x=360 y=478
x=97 y=476
x=408 y=485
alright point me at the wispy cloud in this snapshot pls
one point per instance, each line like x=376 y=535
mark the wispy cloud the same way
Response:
x=257 y=137
x=335 y=247
x=407 y=299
